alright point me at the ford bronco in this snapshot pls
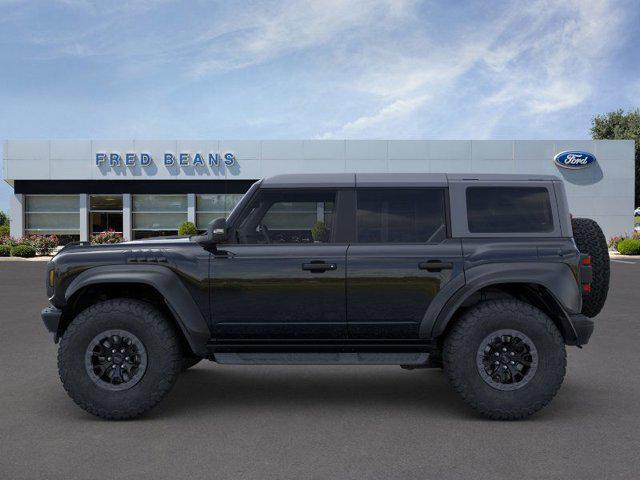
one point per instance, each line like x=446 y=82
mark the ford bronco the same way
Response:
x=485 y=276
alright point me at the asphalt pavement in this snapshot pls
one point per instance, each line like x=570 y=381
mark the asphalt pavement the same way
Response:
x=346 y=422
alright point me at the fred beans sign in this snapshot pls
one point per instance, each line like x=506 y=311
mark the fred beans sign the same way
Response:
x=169 y=159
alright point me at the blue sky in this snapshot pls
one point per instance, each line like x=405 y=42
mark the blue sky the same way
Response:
x=320 y=69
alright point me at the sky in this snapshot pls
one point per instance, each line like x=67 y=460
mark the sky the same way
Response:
x=290 y=69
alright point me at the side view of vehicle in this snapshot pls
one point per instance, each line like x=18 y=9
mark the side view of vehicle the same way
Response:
x=485 y=276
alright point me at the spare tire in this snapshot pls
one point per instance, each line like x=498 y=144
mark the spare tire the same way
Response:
x=590 y=240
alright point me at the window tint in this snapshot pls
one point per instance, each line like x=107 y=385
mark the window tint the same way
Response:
x=509 y=210
x=289 y=217
x=401 y=216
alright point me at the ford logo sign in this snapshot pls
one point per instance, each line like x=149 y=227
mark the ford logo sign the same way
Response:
x=574 y=159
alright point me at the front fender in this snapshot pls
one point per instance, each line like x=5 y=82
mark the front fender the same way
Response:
x=557 y=278
x=166 y=282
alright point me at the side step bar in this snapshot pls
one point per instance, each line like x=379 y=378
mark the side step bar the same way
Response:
x=407 y=359
x=216 y=347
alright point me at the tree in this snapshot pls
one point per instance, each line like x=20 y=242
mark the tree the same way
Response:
x=4 y=218
x=619 y=125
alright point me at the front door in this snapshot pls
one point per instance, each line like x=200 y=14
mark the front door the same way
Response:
x=284 y=277
x=400 y=261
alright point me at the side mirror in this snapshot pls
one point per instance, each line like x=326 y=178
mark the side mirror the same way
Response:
x=217 y=230
x=216 y=233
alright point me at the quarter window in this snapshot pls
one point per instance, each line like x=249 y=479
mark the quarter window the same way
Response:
x=509 y=210
x=401 y=215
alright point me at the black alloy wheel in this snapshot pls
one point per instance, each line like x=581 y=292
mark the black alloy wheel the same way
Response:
x=116 y=360
x=507 y=359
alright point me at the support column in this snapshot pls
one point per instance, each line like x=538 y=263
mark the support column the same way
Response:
x=126 y=217
x=191 y=207
x=84 y=217
x=16 y=213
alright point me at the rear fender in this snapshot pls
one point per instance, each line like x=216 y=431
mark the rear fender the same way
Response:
x=556 y=277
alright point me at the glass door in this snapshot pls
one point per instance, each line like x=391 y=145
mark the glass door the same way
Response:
x=106 y=213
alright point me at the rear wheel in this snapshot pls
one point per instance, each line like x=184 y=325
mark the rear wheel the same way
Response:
x=590 y=240
x=505 y=358
x=119 y=358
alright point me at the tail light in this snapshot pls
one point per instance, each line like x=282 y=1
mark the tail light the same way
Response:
x=586 y=273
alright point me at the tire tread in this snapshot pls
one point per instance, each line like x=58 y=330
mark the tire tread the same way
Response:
x=464 y=328
x=153 y=320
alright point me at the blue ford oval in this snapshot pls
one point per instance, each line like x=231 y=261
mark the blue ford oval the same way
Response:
x=574 y=159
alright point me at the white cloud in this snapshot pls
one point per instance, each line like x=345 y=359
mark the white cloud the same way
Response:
x=540 y=58
x=391 y=61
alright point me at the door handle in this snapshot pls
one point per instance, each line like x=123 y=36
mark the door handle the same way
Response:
x=319 y=266
x=435 y=266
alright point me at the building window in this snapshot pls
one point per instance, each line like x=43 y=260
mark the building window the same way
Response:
x=155 y=215
x=211 y=206
x=53 y=215
x=106 y=213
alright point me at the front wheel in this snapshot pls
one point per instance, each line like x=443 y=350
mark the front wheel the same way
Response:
x=119 y=358
x=505 y=358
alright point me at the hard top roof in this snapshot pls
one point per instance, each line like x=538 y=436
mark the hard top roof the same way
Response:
x=345 y=180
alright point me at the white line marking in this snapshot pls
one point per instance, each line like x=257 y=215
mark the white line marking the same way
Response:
x=623 y=261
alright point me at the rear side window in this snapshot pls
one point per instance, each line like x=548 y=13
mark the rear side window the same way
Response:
x=401 y=215
x=509 y=210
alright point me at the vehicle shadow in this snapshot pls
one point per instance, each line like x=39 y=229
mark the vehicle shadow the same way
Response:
x=212 y=388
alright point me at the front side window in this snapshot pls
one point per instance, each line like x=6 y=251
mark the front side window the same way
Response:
x=401 y=215
x=509 y=210
x=289 y=217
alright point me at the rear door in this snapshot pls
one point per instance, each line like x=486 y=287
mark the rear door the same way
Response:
x=401 y=259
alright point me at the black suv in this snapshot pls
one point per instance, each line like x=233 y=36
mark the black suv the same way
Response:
x=482 y=275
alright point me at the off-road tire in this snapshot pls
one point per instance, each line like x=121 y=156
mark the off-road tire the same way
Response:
x=465 y=338
x=590 y=240
x=149 y=325
x=188 y=362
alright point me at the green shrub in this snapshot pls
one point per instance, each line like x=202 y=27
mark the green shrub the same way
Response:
x=5 y=250
x=4 y=230
x=319 y=232
x=629 y=246
x=23 y=250
x=187 y=228
x=106 y=237
x=4 y=218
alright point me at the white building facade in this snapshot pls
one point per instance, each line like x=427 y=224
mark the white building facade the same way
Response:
x=76 y=188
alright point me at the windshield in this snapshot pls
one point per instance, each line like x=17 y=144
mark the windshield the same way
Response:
x=234 y=212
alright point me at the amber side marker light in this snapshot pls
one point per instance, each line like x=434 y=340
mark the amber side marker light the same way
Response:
x=51 y=277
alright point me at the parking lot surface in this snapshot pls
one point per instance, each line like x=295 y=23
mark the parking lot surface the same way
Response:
x=346 y=422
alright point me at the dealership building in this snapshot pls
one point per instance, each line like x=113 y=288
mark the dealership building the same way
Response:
x=76 y=188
